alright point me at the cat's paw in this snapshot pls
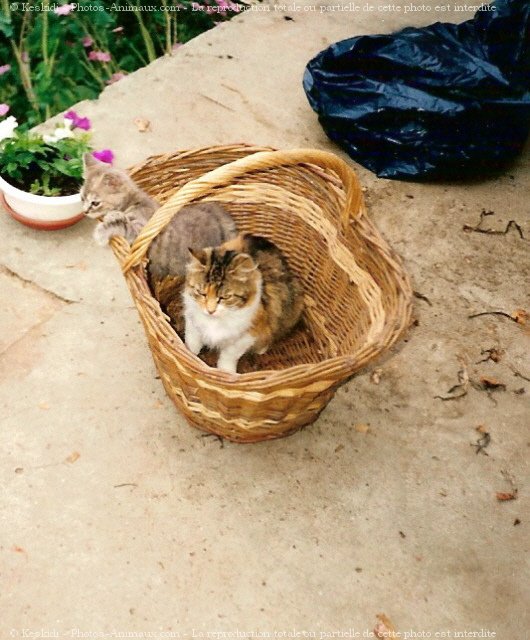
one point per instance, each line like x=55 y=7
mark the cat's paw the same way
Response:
x=193 y=341
x=227 y=364
x=105 y=231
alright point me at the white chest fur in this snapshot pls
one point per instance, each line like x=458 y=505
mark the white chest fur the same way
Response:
x=222 y=329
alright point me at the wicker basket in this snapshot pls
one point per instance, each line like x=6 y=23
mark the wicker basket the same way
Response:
x=357 y=295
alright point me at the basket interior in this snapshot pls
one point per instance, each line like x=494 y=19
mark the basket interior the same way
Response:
x=298 y=208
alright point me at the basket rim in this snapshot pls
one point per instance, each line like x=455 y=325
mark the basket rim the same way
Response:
x=325 y=373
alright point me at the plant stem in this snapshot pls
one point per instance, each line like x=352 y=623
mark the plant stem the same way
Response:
x=23 y=67
x=25 y=77
x=44 y=38
x=148 y=41
x=136 y=52
x=168 y=27
x=93 y=73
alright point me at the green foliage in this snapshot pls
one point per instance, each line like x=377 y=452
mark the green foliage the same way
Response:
x=51 y=68
x=48 y=169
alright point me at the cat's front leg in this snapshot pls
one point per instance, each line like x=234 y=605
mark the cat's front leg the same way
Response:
x=193 y=338
x=229 y=356
x=114 y=223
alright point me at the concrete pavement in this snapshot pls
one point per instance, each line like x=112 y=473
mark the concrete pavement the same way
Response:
x=117 y=516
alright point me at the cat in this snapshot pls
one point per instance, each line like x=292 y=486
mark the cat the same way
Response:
x=239 y=297
x=109 y=195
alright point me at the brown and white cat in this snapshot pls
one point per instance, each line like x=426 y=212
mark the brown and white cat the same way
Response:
x=239 y=297
x=109 y=195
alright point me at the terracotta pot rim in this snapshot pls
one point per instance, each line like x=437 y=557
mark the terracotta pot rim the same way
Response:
x=44 y=225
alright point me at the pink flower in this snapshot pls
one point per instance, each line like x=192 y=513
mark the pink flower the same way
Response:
x=87 y=41
x=223 y=5
x=117 y=30
x=64 y=9
x=115 y=77
x=105 y=155
x=100 y=56
x=77 y=121
x=4 y=108
x=4 y=68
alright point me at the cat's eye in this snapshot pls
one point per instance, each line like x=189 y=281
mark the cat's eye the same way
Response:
x=198 y=292
x=95 y=203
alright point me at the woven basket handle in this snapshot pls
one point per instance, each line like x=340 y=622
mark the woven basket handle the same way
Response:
x=227 y=172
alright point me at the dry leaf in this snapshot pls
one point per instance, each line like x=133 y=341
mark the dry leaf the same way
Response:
x=75 y=455
x=520 y=316
x=339 y=447
x=491 y=383
x=481 y=429
x=376 y=376
x=384 y=628
x=44 y=405
x=503 y=496
x=142 y=124
x=361 y=428
x=18 y=549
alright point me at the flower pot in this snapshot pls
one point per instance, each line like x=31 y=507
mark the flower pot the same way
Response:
x=40 y=212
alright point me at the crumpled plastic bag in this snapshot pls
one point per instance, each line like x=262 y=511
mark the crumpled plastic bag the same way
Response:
x=444 y=101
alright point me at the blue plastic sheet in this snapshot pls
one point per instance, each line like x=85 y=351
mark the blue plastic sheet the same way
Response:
x=443 y=101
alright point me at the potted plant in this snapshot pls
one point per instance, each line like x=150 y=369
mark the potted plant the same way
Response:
x=41 y=174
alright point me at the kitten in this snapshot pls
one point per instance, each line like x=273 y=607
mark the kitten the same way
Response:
x=110 y=196
x=239 y=297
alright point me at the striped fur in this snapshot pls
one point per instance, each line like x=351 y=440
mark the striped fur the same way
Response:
x=239 y=297
x=109 y=195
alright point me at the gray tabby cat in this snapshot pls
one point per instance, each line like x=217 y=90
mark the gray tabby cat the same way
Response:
x=110 y=196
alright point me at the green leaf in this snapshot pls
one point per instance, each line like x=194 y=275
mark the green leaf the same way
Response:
x=6 y=26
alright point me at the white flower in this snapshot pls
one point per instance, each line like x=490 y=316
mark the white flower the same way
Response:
x=68 y=123
x=58 y=134
x=7 y=127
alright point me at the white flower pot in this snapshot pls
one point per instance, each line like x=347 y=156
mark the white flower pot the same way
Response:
x=40 y=212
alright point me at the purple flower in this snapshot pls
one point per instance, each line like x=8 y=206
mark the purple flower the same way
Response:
x=87 y=41
x=115 y=77
x=100 y=56
x=77 y=121
x=4 y=108
x=105 y=155
x=5 y=68
x=64 y=9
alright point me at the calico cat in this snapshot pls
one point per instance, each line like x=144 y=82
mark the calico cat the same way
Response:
x=109 y=195
x=239 y=297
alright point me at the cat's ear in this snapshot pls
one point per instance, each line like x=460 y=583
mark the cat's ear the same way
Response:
x=197 y=255
x=242 y=266
x=88 y=162
x=235 y=244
